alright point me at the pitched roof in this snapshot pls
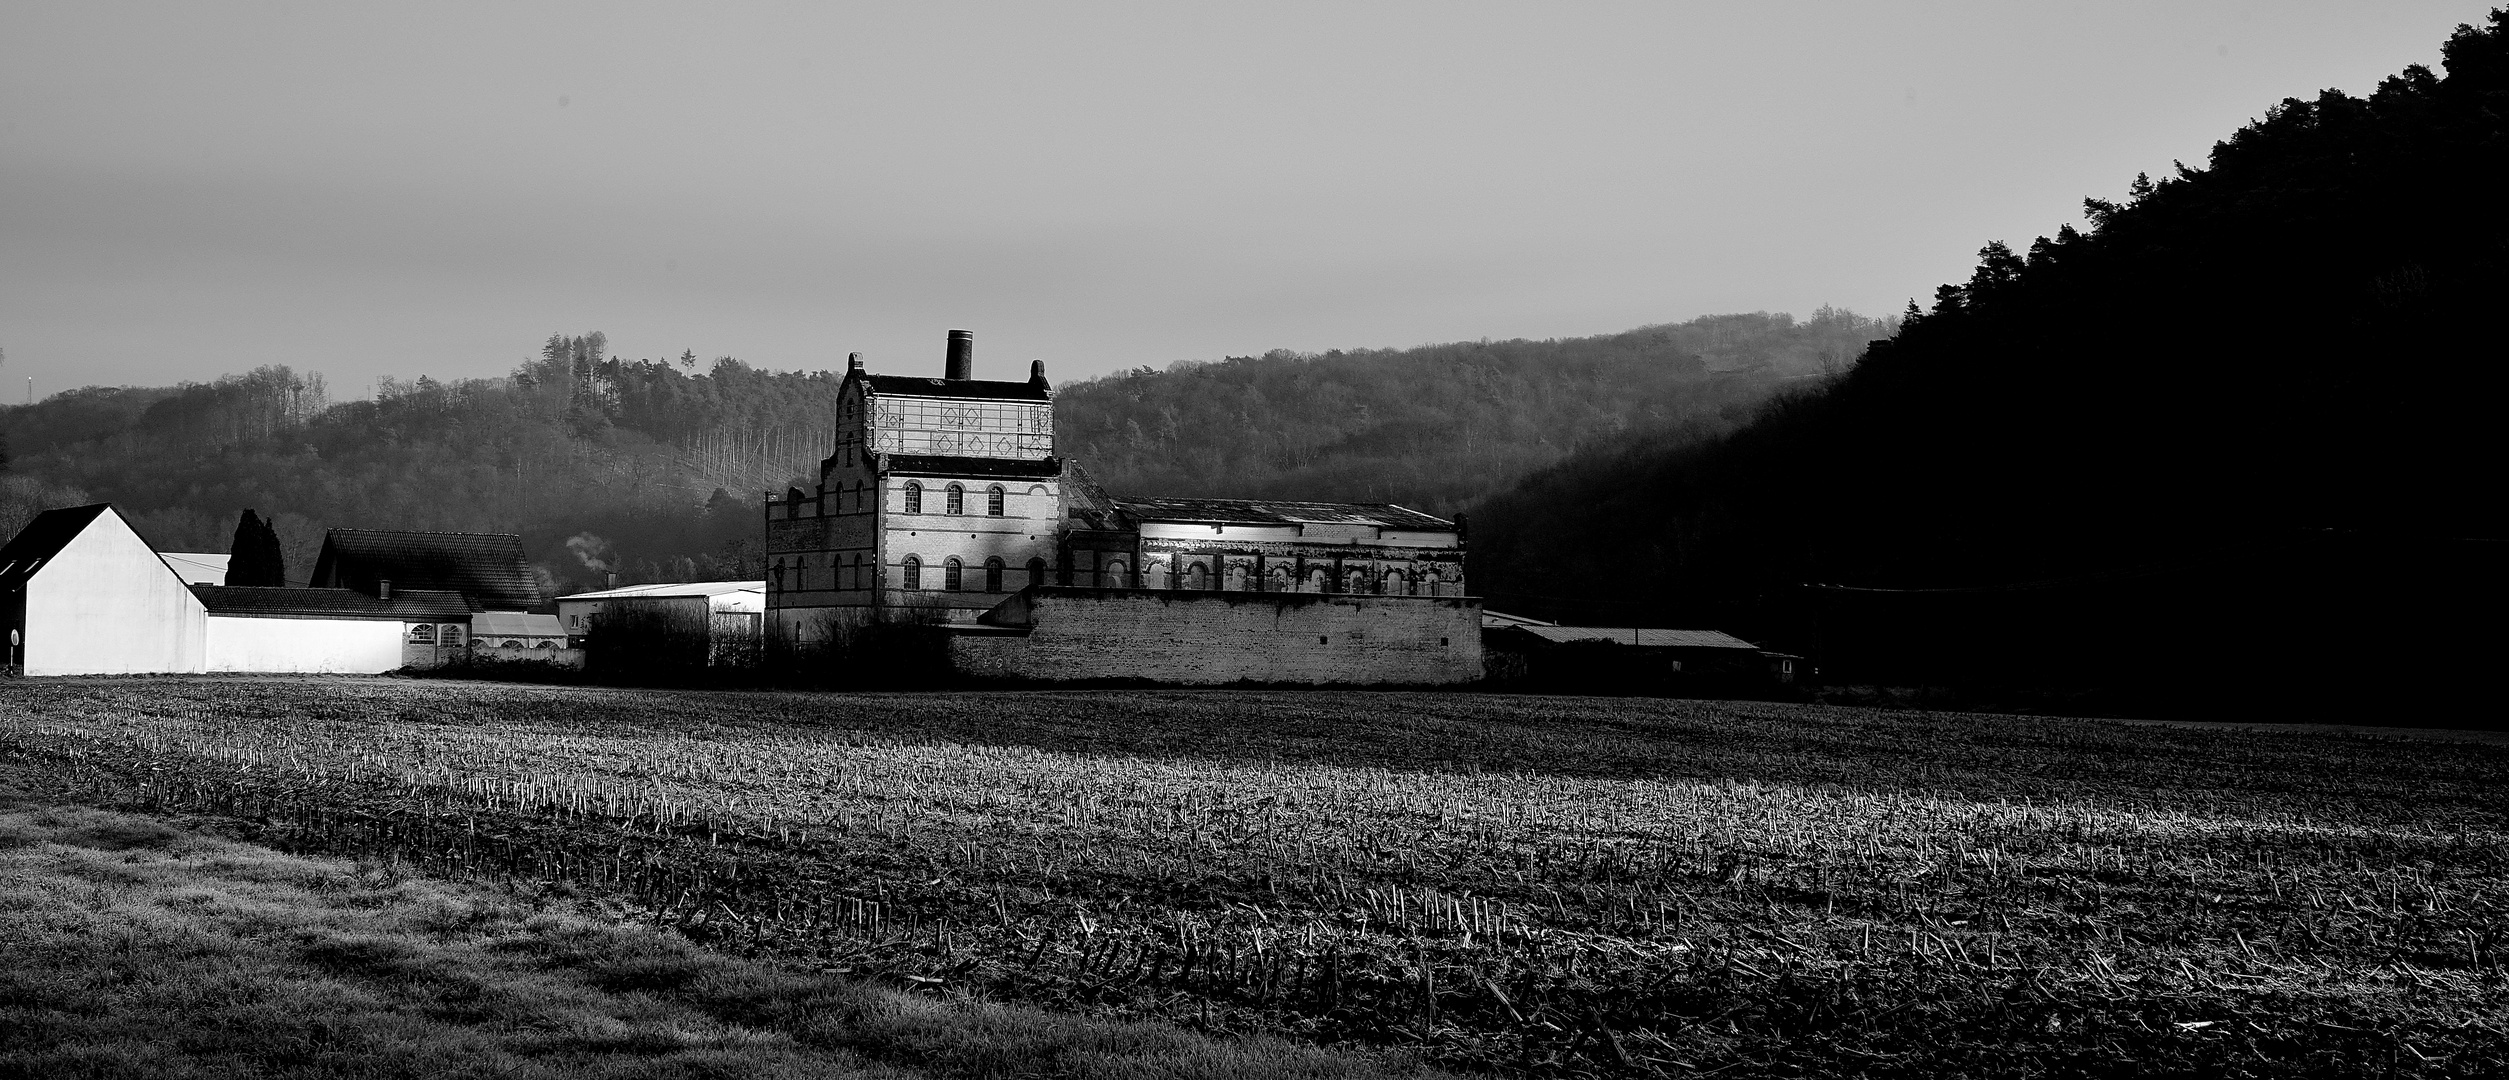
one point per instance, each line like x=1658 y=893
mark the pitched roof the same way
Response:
x=488 y=568
x=1662 y=639
x=44 y=538
x=913 y=386
x=1277 y=512
x=420 y=605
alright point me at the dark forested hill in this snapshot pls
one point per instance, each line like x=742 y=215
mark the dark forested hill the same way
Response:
x=1437 y=427
x=651 y=469
x=2238 y=440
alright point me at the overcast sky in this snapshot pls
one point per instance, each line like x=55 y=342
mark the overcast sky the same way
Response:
x=193 y=189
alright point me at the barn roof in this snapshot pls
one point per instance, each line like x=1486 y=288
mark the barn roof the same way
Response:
x=417 y=605
x=1279 y=512
x=44 y=538
x=487 y=568
x=914 y=386
x=1662 y=639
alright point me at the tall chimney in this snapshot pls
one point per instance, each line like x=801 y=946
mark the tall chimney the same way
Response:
x=1036 y=373
x=962 y=362
x=853 y=362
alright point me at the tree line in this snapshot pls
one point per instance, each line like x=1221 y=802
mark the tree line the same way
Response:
x=2233 y=441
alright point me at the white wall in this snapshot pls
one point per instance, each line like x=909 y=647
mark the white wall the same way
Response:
x=106 y=604
x=353 y=646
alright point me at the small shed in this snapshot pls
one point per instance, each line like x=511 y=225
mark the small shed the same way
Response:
x=1542 y=655
x=516 y=630
x=718 y=620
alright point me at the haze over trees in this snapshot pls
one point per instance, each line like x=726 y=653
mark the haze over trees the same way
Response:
x=1437 y=427
x=2240 y=433
x=652 y=469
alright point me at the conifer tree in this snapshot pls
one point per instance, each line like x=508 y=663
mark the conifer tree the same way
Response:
x=256 y=558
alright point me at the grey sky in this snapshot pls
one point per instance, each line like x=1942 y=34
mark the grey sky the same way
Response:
x=193 y=189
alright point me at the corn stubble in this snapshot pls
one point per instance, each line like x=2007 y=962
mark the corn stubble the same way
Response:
x=1529 y=885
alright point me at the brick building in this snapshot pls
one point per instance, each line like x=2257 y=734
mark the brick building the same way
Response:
x=945 y=502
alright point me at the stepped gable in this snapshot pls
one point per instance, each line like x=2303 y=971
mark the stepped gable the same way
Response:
x=44 y=538
x=487 y=569
x=414 y=605
x=1279 y=512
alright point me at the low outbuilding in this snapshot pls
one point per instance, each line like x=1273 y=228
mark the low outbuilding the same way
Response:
x=1547 y=656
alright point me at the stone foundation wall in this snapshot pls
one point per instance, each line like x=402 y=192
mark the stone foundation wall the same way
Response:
x=1222 y=637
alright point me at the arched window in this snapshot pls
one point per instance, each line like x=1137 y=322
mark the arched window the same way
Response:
x=950 y=566
x=913 y=572
x=957 y=499
x=993 y=501
x=1111 y=575
x=993 y=572
x=775 y=577
x=792 y=502
x=914 y=500
x=1315 y=580
x=1036 y=571
x=1196 y=577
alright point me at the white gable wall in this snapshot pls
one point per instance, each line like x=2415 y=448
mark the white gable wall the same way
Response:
x=107 y=605
x=341 y=646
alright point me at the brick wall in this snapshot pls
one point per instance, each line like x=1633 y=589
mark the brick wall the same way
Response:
x=1206 y=638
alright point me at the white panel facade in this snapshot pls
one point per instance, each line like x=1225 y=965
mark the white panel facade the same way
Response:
x=336 y=646
x=105 y=604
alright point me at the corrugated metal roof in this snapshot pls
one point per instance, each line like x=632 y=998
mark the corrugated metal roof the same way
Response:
x=911 y=386
x=198 y=567
x=685 y=588
x=416 y=605
x=488 y=568
x=43 y=538
x=514 y=624
x=1672 y=639
x=1278 y=512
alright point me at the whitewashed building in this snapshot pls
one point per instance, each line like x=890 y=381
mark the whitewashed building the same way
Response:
x=82 y=594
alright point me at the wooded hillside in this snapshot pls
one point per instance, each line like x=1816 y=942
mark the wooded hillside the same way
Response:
x=2239 y=434
x=652 y=468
